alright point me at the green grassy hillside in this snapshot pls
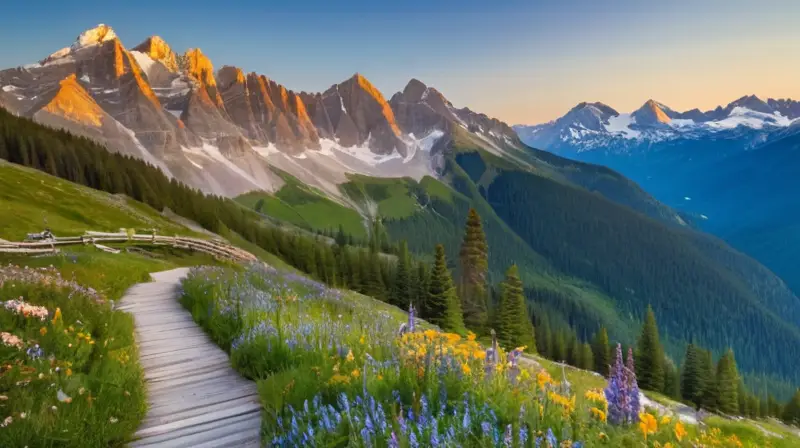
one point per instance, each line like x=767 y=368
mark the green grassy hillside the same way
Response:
x=31 y=201
x=298 y=204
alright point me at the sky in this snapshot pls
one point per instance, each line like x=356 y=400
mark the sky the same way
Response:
x=524 y=62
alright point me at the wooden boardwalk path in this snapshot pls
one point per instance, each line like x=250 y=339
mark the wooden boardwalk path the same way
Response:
x=195 y=398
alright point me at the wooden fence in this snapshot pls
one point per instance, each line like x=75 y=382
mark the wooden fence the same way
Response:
x=216 y=248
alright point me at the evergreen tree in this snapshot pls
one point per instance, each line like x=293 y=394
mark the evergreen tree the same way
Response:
x=710 y=393
x=474 y=259
x=741 y=397
x=341 y=237
x=753 y=406
x=650 y=357
x=514 y=327
x=602 y=352
x=420 y=290
x=559 y=350
x=672 y=380
x=442 y=305
x=791 y=412
x=693 y=377
x=727 y=384
x=544 y=338
x=587 y=360
x=401 y=287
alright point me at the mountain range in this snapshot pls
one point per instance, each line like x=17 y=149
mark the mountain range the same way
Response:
x=600 y=128
x=222 y=130
x=592 y=246
x=730 y=170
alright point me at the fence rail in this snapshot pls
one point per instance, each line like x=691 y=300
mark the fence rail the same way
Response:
x=216 y=248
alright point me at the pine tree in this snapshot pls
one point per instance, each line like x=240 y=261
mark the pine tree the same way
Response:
x=474 y=259
x=791 y=412
x=420 y=290
x=650 y=357
x=727 y=384
x=544 y=338
x=442 y=303
x=602 y=352
x=514 y=327
x=587 y=358
x=401 y=287
x=672 y=380
x=559 y=350
x=741 y=397
x=710 y=393
x=693 y=378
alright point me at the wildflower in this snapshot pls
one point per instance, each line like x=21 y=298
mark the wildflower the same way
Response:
x=647 y=424
x=466 y=369
x=680 y=431
x=622 y=392
x=57 y=316
x=665 y=420
x=62 y=397
x=23 y=415
x=3 y=397
x=355 y=373
x=350 y=356
x=551 y=438
x=7 y=421
x=81 y=391
x=53 y=408
x=43 y=331
x=68 y=372
x=113 y=420
x=9 y=340
x=508 y=437
x=598 y=414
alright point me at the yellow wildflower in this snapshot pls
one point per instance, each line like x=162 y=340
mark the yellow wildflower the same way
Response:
x=734 y=440
x=69 y=372
x=466 y=369
x=680 y=431
x=350 y=356
x=647 y=424
x=470 y=336
x=355 y=373
x=43 y=331
x=598 y=414
x=362 y=340
x=57 y=315
x=665 y=420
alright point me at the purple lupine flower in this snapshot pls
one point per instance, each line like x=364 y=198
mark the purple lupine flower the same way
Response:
x=486 y=427
x=508 y=436
x=393 y=442
x=552 y=442
x=412 y=440
x=411 y=324
x=523 y=435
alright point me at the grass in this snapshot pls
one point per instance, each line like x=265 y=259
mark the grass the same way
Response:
x=85 y=388
x=391 y=195
x=303 y=207
x=31 y=201
x=332 y=371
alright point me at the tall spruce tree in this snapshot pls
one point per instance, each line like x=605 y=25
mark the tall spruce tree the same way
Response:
x=727 y=384
x=442 y=305
x=474 y=259
x=672 y=380
x=587 y=358
x=693 y=377
x=514 y=326
x=650 y=357
x=420 y=288
x=544 y=338
x=710 y=393
x=559 y=349
x=400 y=294
x=791 y=412
x=602 y=352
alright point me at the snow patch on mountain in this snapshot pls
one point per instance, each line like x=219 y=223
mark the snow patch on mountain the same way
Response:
x=741 y=116
x=621 y=125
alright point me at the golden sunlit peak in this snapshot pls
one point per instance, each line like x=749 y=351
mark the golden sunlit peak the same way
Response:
x=99 y=34
x=71 y=101
x=200 y=67
x=159 y=50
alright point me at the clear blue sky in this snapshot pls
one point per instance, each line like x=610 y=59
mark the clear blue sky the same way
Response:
x=521 y=61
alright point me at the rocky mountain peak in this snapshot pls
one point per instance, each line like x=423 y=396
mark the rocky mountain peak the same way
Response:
x=71 y=101
x=229 y=75
x=97 y=35
x=414 y=90
x=160 y=51
x=651 y=114
x=751 y=102
x=200 y=69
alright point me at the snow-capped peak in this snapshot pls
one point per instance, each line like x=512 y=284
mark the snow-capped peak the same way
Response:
x=99 y=34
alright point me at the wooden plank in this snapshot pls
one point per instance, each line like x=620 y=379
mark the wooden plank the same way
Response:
x=195 y=398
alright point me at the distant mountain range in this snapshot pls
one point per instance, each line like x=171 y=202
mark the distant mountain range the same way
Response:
x=598 y=127
x=732 y=169
x=221 y=131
